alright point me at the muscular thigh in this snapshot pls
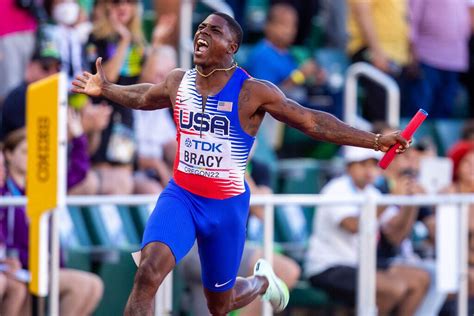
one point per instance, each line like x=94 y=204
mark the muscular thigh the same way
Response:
x=221 y=231
x=70 y=279
x=172 y=223
x=412 y=276
x=387 y=281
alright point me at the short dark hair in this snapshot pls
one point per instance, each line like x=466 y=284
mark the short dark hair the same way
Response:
x=273 y=14
x=13 y=139
x=234 y=27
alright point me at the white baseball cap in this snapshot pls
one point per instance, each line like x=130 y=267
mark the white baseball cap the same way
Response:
x=358 y=154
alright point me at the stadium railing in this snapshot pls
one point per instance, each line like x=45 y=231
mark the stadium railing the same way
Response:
x=366 y=304
x=354 y=72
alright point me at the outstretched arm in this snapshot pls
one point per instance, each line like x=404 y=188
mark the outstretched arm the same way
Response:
x=317 y=124
x=144 y=96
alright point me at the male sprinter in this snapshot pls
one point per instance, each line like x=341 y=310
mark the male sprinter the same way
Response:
x=218 y=109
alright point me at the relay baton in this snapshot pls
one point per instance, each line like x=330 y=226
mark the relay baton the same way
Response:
x=407 y=133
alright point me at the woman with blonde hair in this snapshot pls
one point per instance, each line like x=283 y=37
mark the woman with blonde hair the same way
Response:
x=117 y=37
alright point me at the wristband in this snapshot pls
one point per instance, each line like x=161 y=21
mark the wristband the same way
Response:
x=376 y=142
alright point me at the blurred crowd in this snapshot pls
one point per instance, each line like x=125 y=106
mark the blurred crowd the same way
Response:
x=426 y=46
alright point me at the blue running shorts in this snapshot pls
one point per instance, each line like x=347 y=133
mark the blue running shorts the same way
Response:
x=180 y=217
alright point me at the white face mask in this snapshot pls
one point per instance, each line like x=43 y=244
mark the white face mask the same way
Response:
x=66 y=13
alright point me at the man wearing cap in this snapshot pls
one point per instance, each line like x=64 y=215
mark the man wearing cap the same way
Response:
x=332 y=257
x=45 y=62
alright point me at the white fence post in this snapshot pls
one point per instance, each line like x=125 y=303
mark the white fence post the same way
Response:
x=366 y=305
x=268 y=235
x=463 y=259
x=350 y=92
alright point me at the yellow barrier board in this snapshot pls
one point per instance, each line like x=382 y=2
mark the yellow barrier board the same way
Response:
x=42 y=111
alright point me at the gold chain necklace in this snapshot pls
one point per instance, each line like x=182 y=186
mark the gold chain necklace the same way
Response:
x=217 y=69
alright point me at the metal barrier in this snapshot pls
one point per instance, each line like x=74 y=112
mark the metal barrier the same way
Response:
x=350 y=92
x=366 y=305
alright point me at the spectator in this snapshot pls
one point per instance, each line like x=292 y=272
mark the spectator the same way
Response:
x=331 y=262
x=94 y=118
x=397 y=223
x=80 y=292
x=157 y=142
x=65 y=14
x=117 y=37
x=271 y=60
x=45 y=62
x=462 y=156
x=306 y=10
x=378 y=33
x=80 y=179
x=439 y=42
x=13 y=292
x=334 y=16
x=17 y=41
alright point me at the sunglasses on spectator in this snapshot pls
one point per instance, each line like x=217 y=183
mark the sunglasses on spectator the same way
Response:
x=123 y=1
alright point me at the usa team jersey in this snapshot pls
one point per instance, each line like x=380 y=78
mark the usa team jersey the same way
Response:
x=212 y=146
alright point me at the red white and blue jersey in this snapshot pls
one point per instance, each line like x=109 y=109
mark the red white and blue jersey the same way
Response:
x=212 y=146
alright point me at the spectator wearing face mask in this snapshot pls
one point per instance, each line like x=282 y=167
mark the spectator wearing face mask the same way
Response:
x=69 y=30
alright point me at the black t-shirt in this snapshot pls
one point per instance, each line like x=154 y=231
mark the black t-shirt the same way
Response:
x=260 y=173
x=386 y=250
x=117 y=144
x=13 y=110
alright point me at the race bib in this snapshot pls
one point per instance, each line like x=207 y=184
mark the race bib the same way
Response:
x=205 y=157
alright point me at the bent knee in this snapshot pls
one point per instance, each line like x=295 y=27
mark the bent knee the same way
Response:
x=422 y=280
x=149 y=273
x=396 y=290
x=97 y=286
x=17 y=289
x=292 y=275
x=286 y=269
x=399 y=290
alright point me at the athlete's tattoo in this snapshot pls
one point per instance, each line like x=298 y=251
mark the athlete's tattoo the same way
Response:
x=249 y=119
x=319 y=125
x=327 y=127
x=145 y=96
x=129 y=96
